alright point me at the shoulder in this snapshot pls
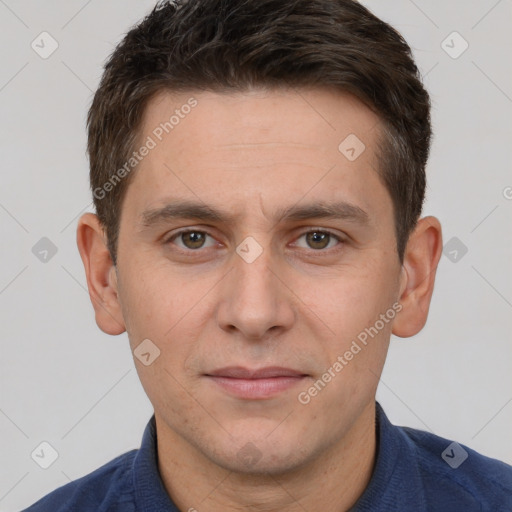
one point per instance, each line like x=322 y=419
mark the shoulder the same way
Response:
x=456 y=471
x=103 y=489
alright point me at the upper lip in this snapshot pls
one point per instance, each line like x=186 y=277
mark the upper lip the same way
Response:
x=239 y=372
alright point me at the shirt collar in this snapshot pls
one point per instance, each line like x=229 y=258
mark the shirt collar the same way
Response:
x=395 y=468
x=150 y=493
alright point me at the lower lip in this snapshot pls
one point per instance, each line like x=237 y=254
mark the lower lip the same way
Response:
x=256 y=389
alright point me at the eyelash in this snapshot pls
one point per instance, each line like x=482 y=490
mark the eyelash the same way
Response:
x=314 y=230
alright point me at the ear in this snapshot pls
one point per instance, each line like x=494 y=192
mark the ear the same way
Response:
x=101 y=274
x=417 y=278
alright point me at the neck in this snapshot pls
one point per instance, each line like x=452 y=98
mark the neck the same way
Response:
x=334 y=480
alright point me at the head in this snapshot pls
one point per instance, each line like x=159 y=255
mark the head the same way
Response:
x=258 y=172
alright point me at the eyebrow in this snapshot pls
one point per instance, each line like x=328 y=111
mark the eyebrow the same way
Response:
x=199 y=211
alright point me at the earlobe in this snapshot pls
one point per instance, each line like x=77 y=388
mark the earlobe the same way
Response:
x=100 y=273
x=417 y=278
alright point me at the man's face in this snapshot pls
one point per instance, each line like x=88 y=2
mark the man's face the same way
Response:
x=289 y=300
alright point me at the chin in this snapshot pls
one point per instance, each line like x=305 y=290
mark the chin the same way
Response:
x=261 y=463
x=257 y=455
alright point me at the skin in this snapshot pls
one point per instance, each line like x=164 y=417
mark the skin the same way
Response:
x=298 y=305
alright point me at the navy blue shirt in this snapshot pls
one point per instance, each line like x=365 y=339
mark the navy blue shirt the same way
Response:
x=414 y=471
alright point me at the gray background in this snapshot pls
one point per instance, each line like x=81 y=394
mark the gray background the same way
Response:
x=65 y=382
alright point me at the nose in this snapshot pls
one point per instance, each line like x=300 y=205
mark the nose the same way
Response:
x=255 y=302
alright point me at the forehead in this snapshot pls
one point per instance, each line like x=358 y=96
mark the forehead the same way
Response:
x=266 y=145
x=268 y=115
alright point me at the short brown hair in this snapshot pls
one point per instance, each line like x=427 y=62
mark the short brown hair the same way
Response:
x=234 y=45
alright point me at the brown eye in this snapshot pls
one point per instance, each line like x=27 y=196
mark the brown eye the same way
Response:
x=193 y=239
x=189 y=241
x=318 y=239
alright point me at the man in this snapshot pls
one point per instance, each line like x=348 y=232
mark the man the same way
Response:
x=258 y=171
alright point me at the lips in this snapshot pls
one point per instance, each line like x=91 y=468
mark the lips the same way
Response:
x=255 y=384
x=238 y=372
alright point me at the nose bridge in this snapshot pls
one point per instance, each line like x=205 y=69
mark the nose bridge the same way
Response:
x=254 y=276
x=253 y=298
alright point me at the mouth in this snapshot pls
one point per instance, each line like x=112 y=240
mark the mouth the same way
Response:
x=255 y=384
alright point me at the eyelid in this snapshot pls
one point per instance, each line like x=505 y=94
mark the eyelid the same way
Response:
x=169 y=239
x=340 y=238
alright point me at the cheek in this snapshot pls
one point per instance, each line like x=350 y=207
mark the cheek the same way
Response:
x=166 y=308
x=160 y=308
x=151 y=298
x=352 y=306
x=172 y=396
x=353 y=300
